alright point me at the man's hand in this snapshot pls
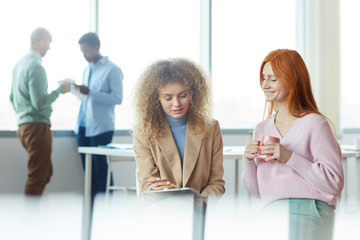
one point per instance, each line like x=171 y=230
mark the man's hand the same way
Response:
x=65 y=87
x=83 y=89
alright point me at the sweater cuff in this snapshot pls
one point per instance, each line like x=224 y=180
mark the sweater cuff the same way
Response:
x=59 y=90
x=249 y=167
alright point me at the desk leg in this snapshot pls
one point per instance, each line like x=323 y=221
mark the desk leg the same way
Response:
x=357 y=180
x=236 y=177
x=87 y=199
x=345 y=191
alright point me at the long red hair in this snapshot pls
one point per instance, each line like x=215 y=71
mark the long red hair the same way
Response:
x=290 y=69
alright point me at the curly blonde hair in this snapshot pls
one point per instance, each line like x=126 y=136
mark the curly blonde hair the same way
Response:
x=150 y=117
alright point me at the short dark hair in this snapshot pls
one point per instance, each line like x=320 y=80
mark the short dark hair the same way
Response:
x=91 y=39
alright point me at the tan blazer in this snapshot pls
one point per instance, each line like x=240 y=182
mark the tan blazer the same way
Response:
x=203 y=161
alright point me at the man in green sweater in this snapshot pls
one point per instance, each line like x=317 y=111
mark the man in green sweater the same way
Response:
x=32 y=104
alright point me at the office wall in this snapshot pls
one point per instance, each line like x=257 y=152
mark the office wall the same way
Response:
x=68 y=174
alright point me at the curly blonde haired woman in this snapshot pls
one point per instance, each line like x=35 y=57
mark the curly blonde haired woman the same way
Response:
x=176 y=142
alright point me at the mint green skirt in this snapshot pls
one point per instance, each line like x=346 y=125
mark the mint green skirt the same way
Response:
x=309 y=219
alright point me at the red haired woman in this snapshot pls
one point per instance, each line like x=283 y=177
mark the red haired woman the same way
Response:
x=304 y=169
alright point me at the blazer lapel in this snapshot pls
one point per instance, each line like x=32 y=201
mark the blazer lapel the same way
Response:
x=193 y=144
x=169 y=149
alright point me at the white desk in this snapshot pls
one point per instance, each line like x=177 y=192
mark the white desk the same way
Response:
x=347 y=152
x=234 y=153
x=124 y=153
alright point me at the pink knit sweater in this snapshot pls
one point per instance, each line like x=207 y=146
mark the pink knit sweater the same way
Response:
x=313 y=171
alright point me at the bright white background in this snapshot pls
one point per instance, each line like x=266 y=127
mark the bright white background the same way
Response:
x=136 y=33
x=67 y=20
x=244 y=32
x=350 y=52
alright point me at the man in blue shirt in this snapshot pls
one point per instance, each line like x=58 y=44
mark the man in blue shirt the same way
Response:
x=103 y=87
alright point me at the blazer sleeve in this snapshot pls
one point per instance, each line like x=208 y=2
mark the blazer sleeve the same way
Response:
x=216 y=183
x=145 y=163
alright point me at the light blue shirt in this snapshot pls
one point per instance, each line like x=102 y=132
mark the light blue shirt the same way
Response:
x=106 y=90
x=178 y=130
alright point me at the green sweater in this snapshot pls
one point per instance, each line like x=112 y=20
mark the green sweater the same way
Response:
x=29 y=96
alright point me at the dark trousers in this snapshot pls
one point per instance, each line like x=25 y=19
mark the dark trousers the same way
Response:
x=99 y=163
x=36 y=138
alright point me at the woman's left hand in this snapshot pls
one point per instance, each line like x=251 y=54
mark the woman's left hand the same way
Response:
x=277 y=152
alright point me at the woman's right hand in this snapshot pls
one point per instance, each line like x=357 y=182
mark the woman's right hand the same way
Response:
x=251 y=149
x=157 y=183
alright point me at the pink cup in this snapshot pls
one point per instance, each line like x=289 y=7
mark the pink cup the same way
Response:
x=263 y=140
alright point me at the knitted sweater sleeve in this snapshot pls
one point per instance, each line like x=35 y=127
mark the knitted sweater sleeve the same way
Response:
x=249 y=175
x=324 y=171
x=249 y=178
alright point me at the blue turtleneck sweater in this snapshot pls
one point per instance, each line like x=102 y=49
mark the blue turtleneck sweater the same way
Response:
x=178 y=130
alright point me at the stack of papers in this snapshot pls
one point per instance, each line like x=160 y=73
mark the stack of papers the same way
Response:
x=118 y=146
x=73 y=88
x=184 y=190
